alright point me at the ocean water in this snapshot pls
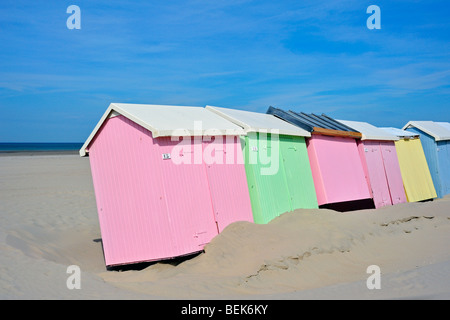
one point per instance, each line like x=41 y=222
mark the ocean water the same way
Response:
x=39 y=146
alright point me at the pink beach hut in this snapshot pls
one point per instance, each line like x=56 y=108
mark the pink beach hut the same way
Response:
x=167 y=179
x=336 y=166
x=380 y=163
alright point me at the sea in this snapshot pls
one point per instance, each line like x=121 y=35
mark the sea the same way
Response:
x=56 y=147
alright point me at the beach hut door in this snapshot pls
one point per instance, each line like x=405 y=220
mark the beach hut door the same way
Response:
x=214 y=156
x=226 y=178
x=393 y=175
x=377 y=173
x=443 y=152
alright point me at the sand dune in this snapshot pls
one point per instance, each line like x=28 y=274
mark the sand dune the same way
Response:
x=49 y=221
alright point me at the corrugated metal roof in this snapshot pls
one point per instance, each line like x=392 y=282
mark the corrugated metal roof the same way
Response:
x=316 y=124
x=368 y=131
x=286 y=116
x=322 y=121
x=438 y=130
x=164 y=120
x=259 y=122
x=399 y=132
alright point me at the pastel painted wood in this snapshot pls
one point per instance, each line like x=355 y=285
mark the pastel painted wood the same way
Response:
x=393 y=172
x=336 y=165
x=337 y=169
x=435 y=139
x=416 y=175
x=278 y=172
x=380 y=163
x=152 y=208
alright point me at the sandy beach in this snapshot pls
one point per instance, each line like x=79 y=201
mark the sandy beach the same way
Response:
x=49 y=222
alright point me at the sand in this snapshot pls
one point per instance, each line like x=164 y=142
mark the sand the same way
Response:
x=49 y=222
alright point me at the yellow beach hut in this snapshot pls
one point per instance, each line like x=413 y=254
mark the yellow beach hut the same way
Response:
x=416 y=175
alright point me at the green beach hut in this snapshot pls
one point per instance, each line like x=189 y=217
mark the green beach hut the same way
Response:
x=276 y=162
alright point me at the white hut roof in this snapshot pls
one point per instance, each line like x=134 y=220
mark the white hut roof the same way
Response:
x=445 y=125
x=163 y=121
x=438 y=130
x=400 y=133
x=369 y=132
x=259 y=122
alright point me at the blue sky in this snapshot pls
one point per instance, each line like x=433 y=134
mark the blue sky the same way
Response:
x=311 y=56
